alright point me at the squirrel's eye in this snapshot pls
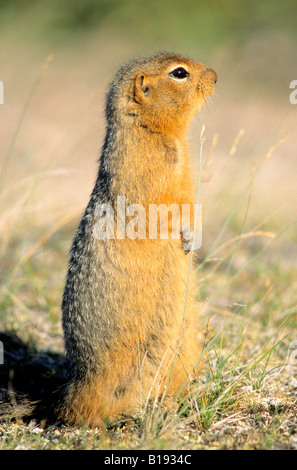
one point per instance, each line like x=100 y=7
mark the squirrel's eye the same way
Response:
x=180 y=72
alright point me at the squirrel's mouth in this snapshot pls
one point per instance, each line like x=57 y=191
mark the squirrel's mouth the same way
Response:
x=206 y=84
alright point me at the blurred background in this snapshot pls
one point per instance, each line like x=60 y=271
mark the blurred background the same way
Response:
x=56 y=60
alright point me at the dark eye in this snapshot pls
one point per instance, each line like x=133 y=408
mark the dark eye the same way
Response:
x=180 y=72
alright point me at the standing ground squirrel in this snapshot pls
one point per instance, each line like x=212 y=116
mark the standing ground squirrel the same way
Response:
x=126 y=334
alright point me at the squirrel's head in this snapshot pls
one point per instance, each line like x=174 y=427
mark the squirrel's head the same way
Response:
x=162 y=93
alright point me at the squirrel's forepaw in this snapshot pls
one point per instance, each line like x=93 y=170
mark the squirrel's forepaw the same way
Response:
x=187 y=239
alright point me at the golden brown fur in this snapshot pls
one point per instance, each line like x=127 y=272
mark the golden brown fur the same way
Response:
x=123 y=304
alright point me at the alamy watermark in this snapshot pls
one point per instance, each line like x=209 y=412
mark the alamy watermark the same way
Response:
x=293 y=353
x=156 y=222
x=293 y=94
x=1 y=353
x=1 y=93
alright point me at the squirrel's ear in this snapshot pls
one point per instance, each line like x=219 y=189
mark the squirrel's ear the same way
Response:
x=141 y=88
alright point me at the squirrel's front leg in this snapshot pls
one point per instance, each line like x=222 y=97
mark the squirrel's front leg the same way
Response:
x=187 y=239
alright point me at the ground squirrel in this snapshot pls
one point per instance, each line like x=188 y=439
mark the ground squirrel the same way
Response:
x=125 y=331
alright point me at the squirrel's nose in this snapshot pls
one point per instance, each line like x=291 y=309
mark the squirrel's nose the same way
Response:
x=212 y=74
